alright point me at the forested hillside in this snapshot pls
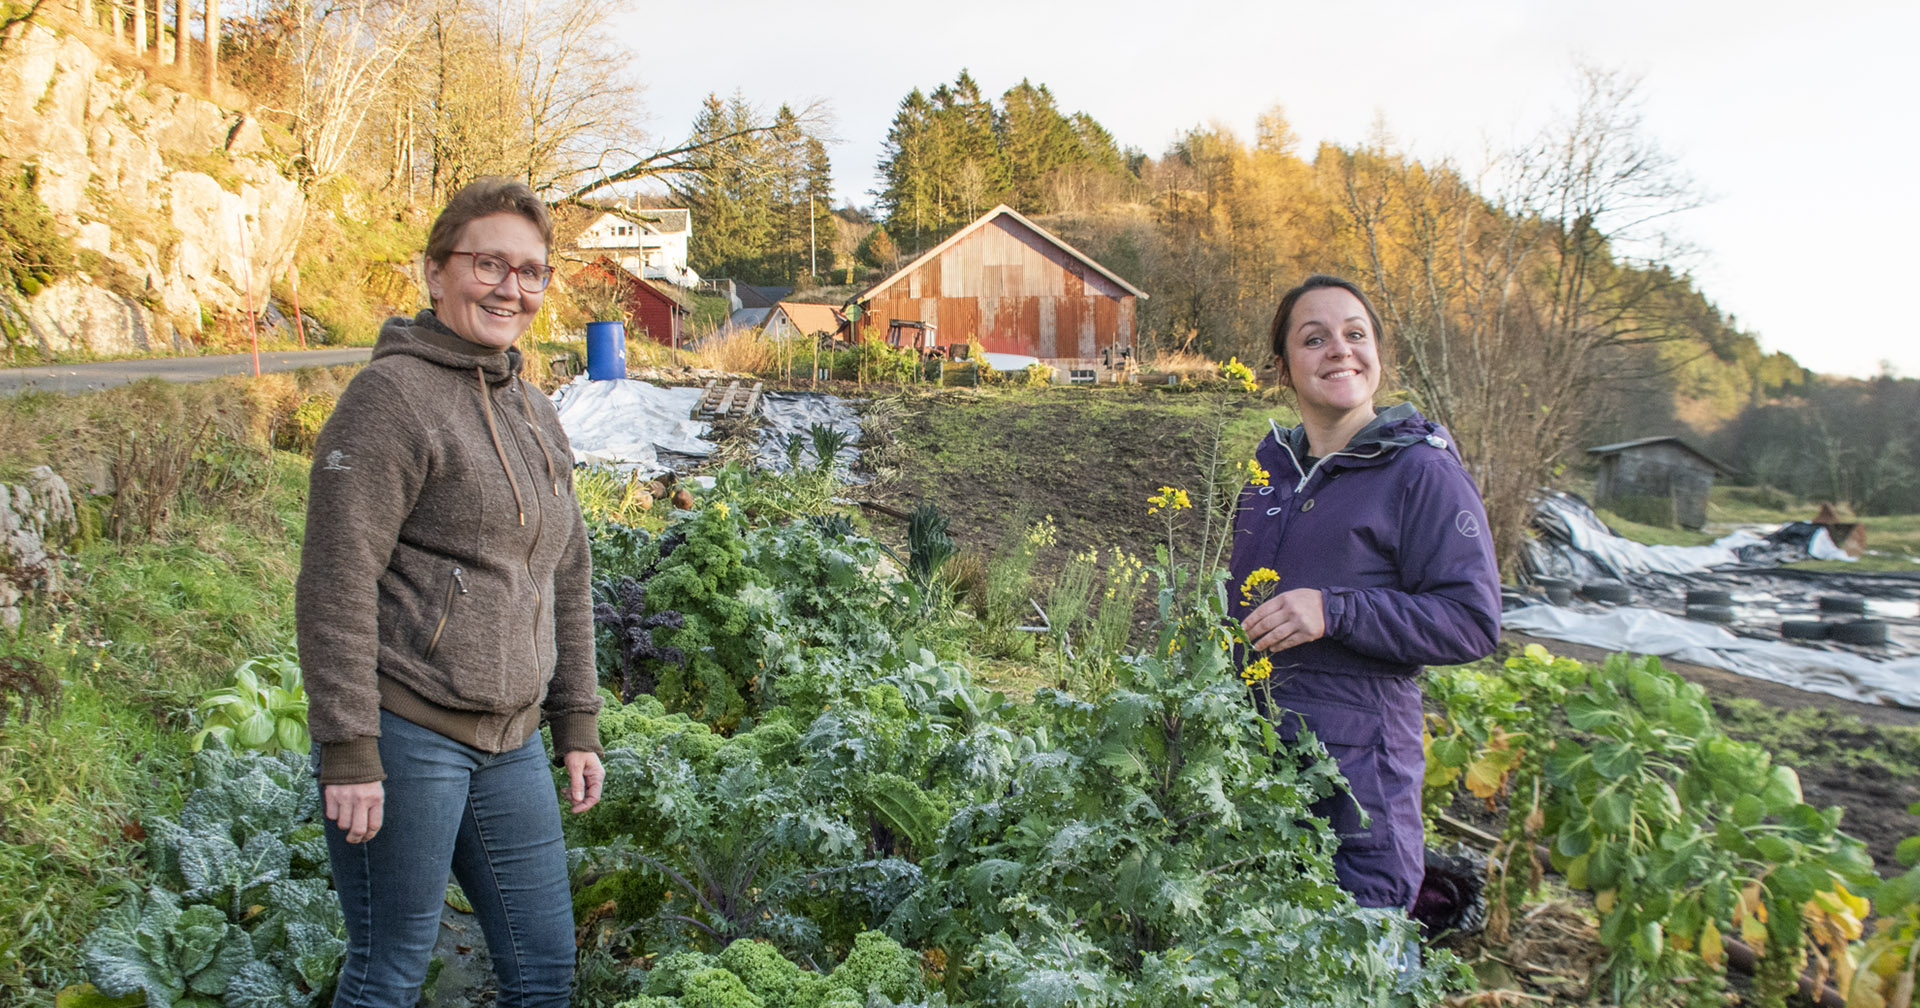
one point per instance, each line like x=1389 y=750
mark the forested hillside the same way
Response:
x=1536 y=304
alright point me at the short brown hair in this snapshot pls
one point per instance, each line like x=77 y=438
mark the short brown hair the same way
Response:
x=481 y=198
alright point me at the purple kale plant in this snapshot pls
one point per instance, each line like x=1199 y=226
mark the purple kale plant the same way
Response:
x=633 y=626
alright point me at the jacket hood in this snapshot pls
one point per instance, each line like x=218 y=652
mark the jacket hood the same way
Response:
x=1392 y=429
x=426 y=337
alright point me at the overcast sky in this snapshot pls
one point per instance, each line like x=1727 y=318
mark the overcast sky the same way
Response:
x=1799 y=122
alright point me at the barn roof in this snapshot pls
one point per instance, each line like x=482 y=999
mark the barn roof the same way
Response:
x=1625 y=446
x=996 y=212
x=811 y=318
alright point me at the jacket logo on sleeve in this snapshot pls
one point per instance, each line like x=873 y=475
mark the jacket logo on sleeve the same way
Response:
x=1467 y=525
x=337 y=461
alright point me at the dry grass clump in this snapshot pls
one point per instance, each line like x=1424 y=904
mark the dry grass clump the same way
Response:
x=737 y=351
x=1190 y=366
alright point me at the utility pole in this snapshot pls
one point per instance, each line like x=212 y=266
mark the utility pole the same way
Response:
x=813 y=252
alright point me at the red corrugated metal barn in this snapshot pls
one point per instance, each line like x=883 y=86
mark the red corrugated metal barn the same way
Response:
x=1007 y=282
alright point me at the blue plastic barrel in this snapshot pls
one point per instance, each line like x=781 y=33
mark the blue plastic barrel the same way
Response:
x=606 y=350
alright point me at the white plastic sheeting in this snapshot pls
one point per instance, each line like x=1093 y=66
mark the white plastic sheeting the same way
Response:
x=1646 y=631
x=627 y=423
x=1009 y=361
x=1621 y=557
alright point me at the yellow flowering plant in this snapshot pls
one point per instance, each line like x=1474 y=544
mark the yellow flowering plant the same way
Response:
x=1234 y=371
x=1259 y=587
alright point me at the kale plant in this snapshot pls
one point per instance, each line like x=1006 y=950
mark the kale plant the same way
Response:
x=1155 y=848
x=717 y=839
x=701 y=574
x=624 y=614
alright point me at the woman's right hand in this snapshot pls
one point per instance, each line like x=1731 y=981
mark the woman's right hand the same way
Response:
x=356 y=808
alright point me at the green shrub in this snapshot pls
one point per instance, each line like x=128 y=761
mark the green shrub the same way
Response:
x=33 y=251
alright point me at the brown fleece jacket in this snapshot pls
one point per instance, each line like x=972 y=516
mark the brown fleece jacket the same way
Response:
x=445 y=571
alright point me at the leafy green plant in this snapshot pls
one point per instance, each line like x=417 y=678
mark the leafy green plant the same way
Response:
x=731 y=835
x=1879 y=972
x=1155 y=849
x=701 y=574
x=239 y=911
x=264 y=708
x=1683 y=834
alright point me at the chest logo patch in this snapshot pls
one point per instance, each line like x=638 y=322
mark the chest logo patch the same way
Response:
x=337 y=461
x=1467 y=525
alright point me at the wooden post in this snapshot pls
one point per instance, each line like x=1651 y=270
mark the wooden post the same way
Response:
x=253 y=320
x=299 y=323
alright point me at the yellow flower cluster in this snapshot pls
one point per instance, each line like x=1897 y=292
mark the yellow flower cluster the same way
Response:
x=1256 y=671
x=1042 y=533
x=1233 y=370
x=1257 y=476
x=1170 y=498
x=1259 y=586
x=721 y=506
x=1124 y=573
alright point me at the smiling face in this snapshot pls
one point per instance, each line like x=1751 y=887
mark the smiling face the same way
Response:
x=1333 y=356
x=492 y=316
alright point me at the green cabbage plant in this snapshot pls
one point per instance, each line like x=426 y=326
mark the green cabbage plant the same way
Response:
x=265 y=709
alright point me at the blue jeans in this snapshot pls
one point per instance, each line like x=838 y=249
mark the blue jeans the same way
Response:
x=494 y=820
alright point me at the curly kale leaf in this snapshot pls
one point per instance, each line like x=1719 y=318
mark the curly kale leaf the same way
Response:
x=633 y=626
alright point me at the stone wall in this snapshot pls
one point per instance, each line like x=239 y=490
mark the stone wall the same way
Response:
x=183 y=198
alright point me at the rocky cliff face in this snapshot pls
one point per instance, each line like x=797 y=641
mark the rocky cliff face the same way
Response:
x=181 y=202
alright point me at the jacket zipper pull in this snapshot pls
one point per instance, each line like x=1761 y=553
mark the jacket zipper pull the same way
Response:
x=460 y=579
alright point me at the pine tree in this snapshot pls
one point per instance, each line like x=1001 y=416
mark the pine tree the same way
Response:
x=1036 y=140
x=819 y=190
x=907 y=195
x=731 y=197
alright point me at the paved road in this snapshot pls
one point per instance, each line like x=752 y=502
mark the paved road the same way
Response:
x=106 y=374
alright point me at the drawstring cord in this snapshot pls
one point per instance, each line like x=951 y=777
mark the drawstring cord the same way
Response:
x=552 y=477
x=486 y=404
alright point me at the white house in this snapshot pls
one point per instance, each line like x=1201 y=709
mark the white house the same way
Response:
x=649 y=243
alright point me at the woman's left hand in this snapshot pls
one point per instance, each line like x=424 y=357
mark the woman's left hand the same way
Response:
x=584 y=777
x=1289 y=619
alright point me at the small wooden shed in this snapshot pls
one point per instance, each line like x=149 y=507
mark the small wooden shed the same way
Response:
x=1657 y=469
x=796 y=319
x=1008 y=283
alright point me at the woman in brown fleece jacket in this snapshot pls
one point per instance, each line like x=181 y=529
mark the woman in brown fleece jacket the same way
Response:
x=444 y=614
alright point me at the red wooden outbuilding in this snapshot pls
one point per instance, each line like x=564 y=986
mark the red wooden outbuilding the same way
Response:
x=653 y=310
x=1008 y=283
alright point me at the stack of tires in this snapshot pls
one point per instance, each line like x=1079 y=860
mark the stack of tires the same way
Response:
x=1710 y=605
x=1842 y=620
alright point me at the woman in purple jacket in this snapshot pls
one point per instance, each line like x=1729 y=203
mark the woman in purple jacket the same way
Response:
x=1379 y=539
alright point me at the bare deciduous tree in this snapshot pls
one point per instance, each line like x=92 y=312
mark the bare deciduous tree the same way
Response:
x=1510 y=312
x=349 y=53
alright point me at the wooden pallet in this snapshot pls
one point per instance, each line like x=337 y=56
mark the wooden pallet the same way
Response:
x=732 y=400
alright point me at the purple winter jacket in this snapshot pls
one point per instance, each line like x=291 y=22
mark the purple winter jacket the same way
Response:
x=1392 y=531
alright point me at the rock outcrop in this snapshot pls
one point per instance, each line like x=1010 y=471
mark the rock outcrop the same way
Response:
x=34 y=517
x=180 y=201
